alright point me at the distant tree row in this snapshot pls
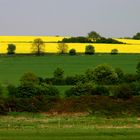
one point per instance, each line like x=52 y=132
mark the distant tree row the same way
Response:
x=92 y=37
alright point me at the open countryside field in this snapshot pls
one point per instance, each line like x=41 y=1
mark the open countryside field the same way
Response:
x=41 y=127
x=24 y=45
x=12 y=68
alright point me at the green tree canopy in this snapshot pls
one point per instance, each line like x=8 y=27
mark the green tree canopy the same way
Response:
x=105 y=74
x=94 y=35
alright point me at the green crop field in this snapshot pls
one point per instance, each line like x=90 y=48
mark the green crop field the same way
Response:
x=25 y=126
x=12 y=68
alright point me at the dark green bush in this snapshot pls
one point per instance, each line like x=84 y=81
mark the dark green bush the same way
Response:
x=89 y=49
x=120 y=74
x=29 y=78
x=81 y=89
x=72 y=52
x=30 y=90
x=114 y=51
x=123 y=91
x=135 y=88
x=12 y=90
x=70 y=80
x=87 y=89
x=11 y=49
x=101 y=90
x=129 y=78
x=105 y=74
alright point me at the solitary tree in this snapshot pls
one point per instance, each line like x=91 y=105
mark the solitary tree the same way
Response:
x=38 y=46
x=62 y=48
x=11 y=49
x=94 y=35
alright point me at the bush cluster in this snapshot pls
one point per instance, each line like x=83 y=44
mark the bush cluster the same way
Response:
x=36 y=94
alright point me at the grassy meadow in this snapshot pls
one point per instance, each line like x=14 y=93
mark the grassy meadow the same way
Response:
x=13 y=67
x=41 y=126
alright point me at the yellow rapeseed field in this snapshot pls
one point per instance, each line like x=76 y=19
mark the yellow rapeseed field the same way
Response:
x=24 y=45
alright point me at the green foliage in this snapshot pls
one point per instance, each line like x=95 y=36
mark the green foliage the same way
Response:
x=89 y=74
x=12 y=90
x=123 y=91
x=29 y=78
x=87 y=89
x=72 y=52
x=80 y=39
x=105 y=74
x=26 y=90
x=94 y=35
x=135 y=88
x=58 y=73
x=62 y=48
x=108 y=41
x=137 y=36
x=95 y=38
x=81 y=89
x=47 y=90
x=70 y=80
x=11 y=49
x=1 y=90
x=38 y=46
x=138 y=70
x=30 y=90
x=114 y=51
x=129 y=78
x=89 y=49
x=120 y=74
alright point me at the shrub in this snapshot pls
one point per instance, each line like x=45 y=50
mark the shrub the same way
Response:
x=90 y=74
x=30 y=90
x=72 y=52
x=123 y=91
x=105 y=74
x=29 y=78
x=12 y=90
x=135 y=88
x=101 y=90
x=70 y=80
x=11 y=49
x=87 y=89
x=81 y=89
x=47 y=90
x=120 y=74
x=129 y=78
x=26 y=90
x=89 y=50
x=58 y=78
x=114 y=51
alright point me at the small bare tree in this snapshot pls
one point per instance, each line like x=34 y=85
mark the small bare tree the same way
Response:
x=38 y=46
x=62 y=48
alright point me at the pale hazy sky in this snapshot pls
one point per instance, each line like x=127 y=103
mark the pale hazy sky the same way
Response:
x=111 y=18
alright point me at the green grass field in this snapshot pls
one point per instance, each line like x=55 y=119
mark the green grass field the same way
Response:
x=24 y=126
x=12 y=68
x=71 y=134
